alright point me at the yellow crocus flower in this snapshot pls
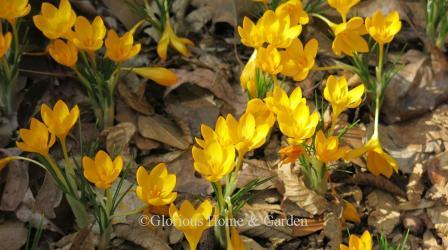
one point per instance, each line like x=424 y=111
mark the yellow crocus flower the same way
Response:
x=290 y=153
x=13 y=9
x=327 y=149
x=120 y=49
x=343 y=6
x=279 y=101
x=250 y=34
x=55 y=22
x=63 y=53
x=269 y=60
x=5 y=43
x=297 y=61
x=170 y=38
x=378 y=161
x=348 y=37
x=102 y=171
x=88 y=36
x=261 y=112
x=337 y=94
x=156 y=188
x=299 y=124
x=248 y=75
x=235 y=240
x=59 y=120
x=160 y=75
x=293 y=8
x=277 y=29
x=214 y=160
x=246 y=134
x=192 y=222
x=36 y=139
x=383 y=28
x=359 y=243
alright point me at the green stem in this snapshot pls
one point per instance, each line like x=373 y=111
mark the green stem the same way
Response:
x=57 y=171
x=69 y=169
x=234 y=176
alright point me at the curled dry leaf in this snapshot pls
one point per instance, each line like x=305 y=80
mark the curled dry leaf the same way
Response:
x=438 y=175
x=255 y=169
x=296 y=191
x=161 y=129
x=430 y=242
x=48 y=197
x=385 y=215
x=416 y=89
x=191 y=110
x=257 y=223
x=380 y=182
x=214 y=82
x=13 y=235
x=119 y=136
x=141 y=236
x=84 y=239
x=16 y=183
x=27 y=213
x=439 y=217
x=122 y=11
x=333 y=226
x=136 y=102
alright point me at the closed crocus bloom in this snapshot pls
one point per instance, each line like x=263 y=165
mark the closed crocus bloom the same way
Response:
x=156 y=188
x=269 y=60
x=214 y=160
x=88 y=36
x=36 y=139
x=102 y=171
x=298 y=61
x=13 y=9
x=383 y=28
x=63 y=53
x=279 y=100
x=277 y=29
x=343 y=6
x=160 y=75
x=299 y=124
x=251 y=34
x=348 y=37
x=120 y=49
x=327 y=149
x=290 y=153
x=192 y=222
x=235 y=240
x=378 y=161
x=359 y=243
x=5 y=43
x=55 y=22
x=248 y=76
x=59 y=120
x=246 y=133
x=337 y=94
x=350 y=213
x=293 y=8
x=260 y=111
x=170 y=38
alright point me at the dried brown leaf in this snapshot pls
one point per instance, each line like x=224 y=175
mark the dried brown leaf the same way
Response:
x=119 y=136
x=385 y=215
x=16 y=184
x=13 y=235
x=161 y=129
x=298 y=192
x=136 y=102
x=141 y=236
x=48 y=197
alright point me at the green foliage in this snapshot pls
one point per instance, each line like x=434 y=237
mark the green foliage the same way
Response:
x=384 y=244
x=437 y=21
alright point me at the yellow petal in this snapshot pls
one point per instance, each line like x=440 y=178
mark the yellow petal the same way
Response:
x=159 y=75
